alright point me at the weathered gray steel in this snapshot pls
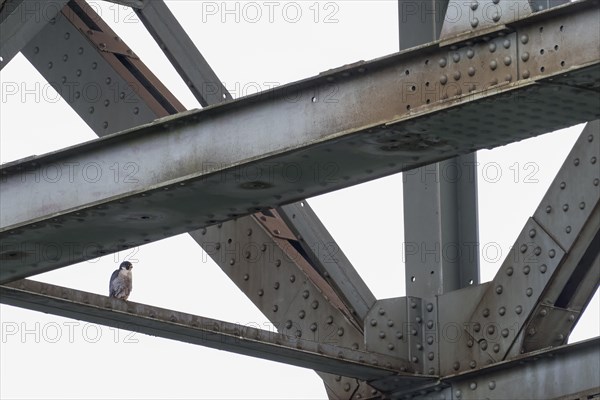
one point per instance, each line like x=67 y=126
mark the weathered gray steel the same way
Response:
x=310 y=137
x=208 y=332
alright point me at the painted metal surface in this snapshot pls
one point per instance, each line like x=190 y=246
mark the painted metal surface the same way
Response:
x=313 y=147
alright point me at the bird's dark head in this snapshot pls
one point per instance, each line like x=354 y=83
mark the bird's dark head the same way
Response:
x=126 y=265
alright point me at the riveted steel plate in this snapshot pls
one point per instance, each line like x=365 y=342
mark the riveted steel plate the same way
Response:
x=386 y=328
x=270 y=277
x=178 y=178
x=552 y=46
x=515 y=291
x=454 y=311
x=575 y=192
x=466 y=18
x=549 y=327
x=83 y=78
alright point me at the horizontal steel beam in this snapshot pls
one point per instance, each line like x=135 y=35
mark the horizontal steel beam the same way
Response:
x=546 y=374
x=326 y=357
x=307 y=138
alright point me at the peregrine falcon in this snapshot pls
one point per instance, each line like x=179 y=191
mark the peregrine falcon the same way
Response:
x=121 y=281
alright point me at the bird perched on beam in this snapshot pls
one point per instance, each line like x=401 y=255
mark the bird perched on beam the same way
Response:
x=121 y=281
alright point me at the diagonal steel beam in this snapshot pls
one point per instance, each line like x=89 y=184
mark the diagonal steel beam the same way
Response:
x=168 y=32
x=546 y=280
x=182 y=53
x=20 y=21
x=212 y=182
x=208 y=332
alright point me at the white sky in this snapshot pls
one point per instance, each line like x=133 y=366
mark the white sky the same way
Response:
x=48 y=357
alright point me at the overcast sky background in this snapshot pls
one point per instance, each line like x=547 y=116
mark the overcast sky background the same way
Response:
x=61 y=358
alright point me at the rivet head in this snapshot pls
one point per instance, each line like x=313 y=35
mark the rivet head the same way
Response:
x=313 y=327
x=548 y=209
x=429 y=339
x=523 y=248
x=560 y=337
x=292 y=278
x=543 y=268
x=399 y=335
x=390 y=346
x=496 y=17
x=571 y=318
x=471 y=71
x=565 y=207
x=543 y=312
x=563 y=185
x=474 y=5
x=551 y=253
x=275 y=308
x=340 y=332
x=507 y=60
x=288 y=324
x=493 y=65
x=420 y=347
x=483 y=345
x=315 y=305
x=430 y=356
x=506 y=43
x=413 y=304
x=492 y=385
x=525 y=56
x=301 y=314
x=496 y=348
x=305 y=294
x=329 y=320
x=499 y=289
x=390 y=323
x=532 y=233
x=458 y=394
x=509 y=271
x=518 y=309
x=486 y=312
x=537 y=251
x=381 y=311
x=491 y=329
x=347 y=387
x=456 y=75
x=504 y=332
x=472 y=364
x=443 y=79
x=276 y=285
x=582 y=205
x=415 y=359
x=261 y=292
x=596 y=182
x=419 y=320
x=492 y=47
x=456 y=365
x=472 y=386
x=373 y=322
x=476 y=327
x=502 y=311
x=469 y=343
x=429 y=307
x=456 y=57
x=246 y=277
x=442 y=62
x=381 y=334
x=470 y=53
x=526 y=269
x=524 y=39
x=474 y=22
x=576 y=162
x=413 y=332
x=338 y=378
x=429 y=324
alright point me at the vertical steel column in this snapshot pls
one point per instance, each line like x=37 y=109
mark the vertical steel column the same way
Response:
x=440 y=200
